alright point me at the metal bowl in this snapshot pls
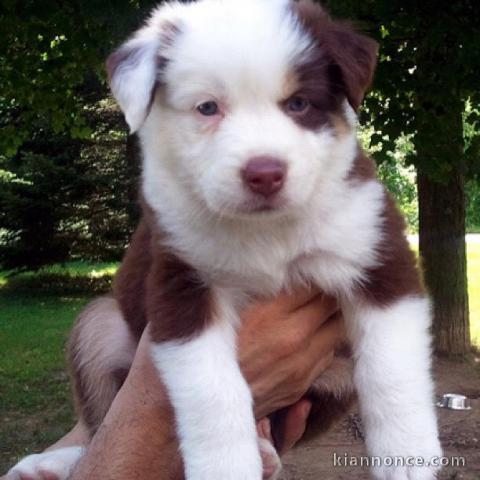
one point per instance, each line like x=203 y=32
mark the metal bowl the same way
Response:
x=454 y=401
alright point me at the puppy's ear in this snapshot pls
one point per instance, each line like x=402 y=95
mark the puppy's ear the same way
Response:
x=353 y=54
x=356 y=57
x=134 y=71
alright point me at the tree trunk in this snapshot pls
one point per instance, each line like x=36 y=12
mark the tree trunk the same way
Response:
x=443 y=253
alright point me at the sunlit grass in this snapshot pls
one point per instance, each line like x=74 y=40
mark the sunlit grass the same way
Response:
x=473 y=272
x=88 y=269
x=35 y=400
x=473 y=269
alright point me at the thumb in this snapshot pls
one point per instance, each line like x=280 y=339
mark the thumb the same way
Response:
x=295 y=423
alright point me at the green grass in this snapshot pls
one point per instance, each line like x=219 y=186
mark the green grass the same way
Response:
x=35 y=398
x=35 y=404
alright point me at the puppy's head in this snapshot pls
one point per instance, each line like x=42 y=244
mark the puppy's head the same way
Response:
x=245 y=107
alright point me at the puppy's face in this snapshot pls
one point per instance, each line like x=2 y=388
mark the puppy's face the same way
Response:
x=246 y=106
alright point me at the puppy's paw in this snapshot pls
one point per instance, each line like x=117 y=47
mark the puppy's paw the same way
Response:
x=423 y=465
x=53 y=465
x=234 y=460
x=405 y=473
x=272 y=466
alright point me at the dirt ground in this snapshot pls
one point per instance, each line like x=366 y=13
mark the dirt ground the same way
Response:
x=459 y=433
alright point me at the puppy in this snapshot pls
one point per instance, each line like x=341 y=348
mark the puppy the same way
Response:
x=253 y=182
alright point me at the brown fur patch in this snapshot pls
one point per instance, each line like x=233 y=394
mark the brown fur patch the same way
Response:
x=397 y=274
x=155 y=285
x=130 y=282
x=178 y=302
x=363 y=168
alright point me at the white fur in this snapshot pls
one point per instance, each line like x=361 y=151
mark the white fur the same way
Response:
x=213 y=404
x=393 y=379
x=57 y=462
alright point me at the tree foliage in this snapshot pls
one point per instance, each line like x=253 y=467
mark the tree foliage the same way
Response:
x=64 y=199
x=51 y=63
x=65 y=182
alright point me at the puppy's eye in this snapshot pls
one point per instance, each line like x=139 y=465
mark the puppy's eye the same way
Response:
x=208 y=109
x=297 y=104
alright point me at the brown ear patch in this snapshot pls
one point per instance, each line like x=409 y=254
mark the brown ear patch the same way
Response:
x=348 y=57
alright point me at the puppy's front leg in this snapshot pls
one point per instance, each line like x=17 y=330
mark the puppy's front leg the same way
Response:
x=212 y=401
x=392 y=375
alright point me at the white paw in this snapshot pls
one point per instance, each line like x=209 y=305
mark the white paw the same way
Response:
x=405 y=473
x=272 y=466
x=231 y=462
x=419 y=463
x=53 y=465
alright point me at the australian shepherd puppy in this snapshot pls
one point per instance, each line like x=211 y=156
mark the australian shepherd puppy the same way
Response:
x=253 y=182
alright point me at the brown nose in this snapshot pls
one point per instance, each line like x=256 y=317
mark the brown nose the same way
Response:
x=264 y=175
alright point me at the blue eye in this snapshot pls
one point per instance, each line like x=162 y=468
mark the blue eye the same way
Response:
x=297 y=104
x=208 y=109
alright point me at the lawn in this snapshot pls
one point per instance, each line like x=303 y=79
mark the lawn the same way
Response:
x=35 y=406
x=474 y=290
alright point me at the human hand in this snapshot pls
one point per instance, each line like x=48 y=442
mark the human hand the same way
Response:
x=285 y=344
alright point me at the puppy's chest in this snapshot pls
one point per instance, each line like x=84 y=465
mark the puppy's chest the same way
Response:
x=330 y=246
x=321 y=255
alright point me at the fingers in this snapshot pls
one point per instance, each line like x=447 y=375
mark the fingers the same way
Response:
x=313 y=314
x=290 y=301
x=295 y=423
x=283 y=304
x=317 y=356
x=320 y=351
x=330 y=334
x=264 y=429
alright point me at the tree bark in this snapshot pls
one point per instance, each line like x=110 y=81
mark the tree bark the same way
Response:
x=443 y=254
